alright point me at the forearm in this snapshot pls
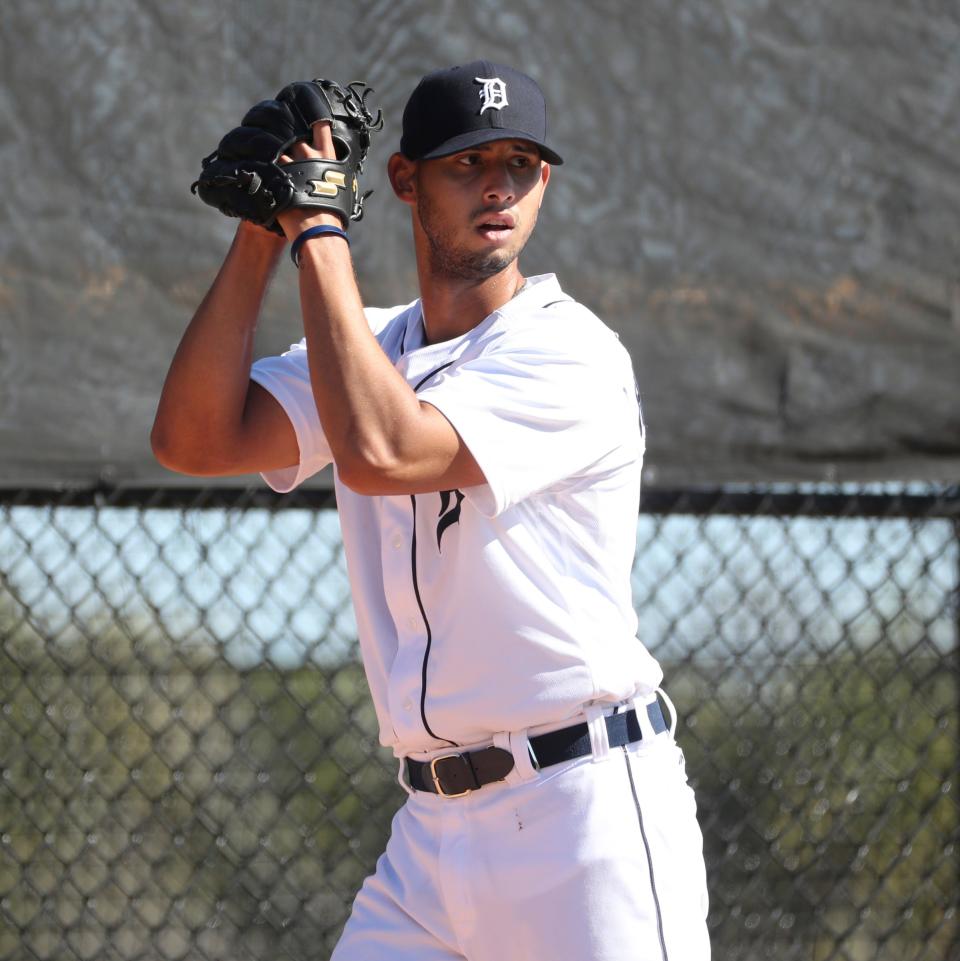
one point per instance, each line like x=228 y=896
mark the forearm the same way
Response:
x=368 y=411
x=203 y=398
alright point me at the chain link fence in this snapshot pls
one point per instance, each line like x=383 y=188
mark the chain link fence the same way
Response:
x=189 y=758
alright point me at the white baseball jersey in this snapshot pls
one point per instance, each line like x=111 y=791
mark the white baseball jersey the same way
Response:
x=507 y=605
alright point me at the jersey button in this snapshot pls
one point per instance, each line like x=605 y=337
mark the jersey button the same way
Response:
x=412 y=623
x=397 y=543
x=408 y=705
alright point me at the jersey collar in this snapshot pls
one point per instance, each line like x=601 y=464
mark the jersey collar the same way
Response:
x=538 y=291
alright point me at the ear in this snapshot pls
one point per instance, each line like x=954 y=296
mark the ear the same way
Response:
x=401 y=172
x=544 y=178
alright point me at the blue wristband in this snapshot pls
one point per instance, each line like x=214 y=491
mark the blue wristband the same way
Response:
x=314 y=232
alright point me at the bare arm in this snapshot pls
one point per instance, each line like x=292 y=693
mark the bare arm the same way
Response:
x=211 y=419
x=383 y=439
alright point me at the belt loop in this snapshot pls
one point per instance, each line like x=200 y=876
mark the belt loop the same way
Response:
x=401 y=779
x=643 y=719
x=597 y=726
x=673 y=710
x=518 y=744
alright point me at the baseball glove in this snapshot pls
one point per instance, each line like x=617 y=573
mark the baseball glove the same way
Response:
x=244 y=178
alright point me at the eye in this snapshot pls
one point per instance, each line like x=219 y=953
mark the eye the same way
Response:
x=468 y=159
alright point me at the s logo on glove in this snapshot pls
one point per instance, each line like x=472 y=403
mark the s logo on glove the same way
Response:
x=332 y=181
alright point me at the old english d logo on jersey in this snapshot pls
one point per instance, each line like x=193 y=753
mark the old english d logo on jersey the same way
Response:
x=448 y=515
x=493 y=93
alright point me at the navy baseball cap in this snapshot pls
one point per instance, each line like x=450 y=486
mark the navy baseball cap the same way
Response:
x=460 y=107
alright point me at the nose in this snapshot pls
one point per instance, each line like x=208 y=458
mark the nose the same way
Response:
x=500 y=187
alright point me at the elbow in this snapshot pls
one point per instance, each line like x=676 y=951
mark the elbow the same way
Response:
x=368 y=473
x=160 y=445
x=166 y=452
x=361 y=483
x=175 y=455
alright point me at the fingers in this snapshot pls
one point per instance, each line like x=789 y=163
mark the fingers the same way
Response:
x=323 y=140
x=322 y=145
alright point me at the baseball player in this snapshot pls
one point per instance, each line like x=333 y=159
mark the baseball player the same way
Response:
x=487 y=445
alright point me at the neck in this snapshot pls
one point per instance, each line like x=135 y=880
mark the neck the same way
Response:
x=452 y=306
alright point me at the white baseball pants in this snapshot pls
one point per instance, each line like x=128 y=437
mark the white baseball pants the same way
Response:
x=596 y=859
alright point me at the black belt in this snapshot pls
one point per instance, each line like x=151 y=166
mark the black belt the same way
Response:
x=453 y=775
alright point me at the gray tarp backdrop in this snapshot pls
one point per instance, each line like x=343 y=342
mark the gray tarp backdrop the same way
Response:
x=761 y=197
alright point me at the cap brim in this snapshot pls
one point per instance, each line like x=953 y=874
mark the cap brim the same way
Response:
x=475 y=137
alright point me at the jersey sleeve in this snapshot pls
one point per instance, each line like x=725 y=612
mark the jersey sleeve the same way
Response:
x=539 y=417
x=287 y=378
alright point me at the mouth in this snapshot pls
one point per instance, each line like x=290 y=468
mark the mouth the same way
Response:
x=495 y=226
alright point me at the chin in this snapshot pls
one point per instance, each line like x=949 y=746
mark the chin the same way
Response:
x=497 y=258
x=471 y=265
x=491 y=265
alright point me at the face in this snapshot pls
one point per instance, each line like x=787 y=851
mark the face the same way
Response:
x=476 y=209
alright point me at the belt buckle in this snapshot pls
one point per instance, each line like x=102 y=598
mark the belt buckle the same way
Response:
x=436 y=777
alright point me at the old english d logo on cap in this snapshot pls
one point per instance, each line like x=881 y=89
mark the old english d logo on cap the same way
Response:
x=493 y=93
